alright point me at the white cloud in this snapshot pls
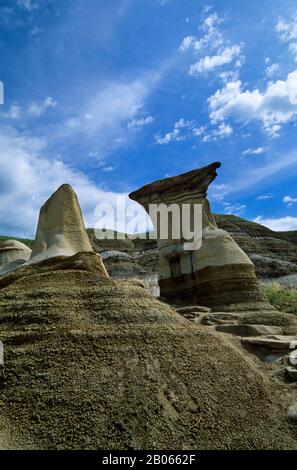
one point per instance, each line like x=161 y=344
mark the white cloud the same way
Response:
x=27 y=5
x=184 y=130
x=174 y=136
x=264 y=197
x=212 y=38
x=234 y=209
x=255 y=151
x=140 y=122
x=282 y=224
x=287 y=32
x=28 y=178
x=190 y=42
x=214 y=50
x=274 y=107
x=218 y=192
x=105 y=115
x=271 y=70
x=289 y=200
x=221 y=132
x=14 y=112
x=181 y=131
x=208 y=63
x=37 y=109
x=224 y=130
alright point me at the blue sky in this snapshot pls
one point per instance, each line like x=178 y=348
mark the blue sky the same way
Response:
x=108 y=95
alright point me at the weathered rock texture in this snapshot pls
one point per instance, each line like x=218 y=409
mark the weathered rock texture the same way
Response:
x=12 y=254
x=219 y=274
x=96 y=363
x=60 y=230
x=111 y=243
x=274 y=254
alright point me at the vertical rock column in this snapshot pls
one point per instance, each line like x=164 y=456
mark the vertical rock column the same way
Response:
x=218 y=274
x=60 y=230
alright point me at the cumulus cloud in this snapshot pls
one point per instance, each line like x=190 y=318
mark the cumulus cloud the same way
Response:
x=289 y=201
x=214 y=50
x=185 y=130
x=208 y=63
x=34 y=110
x=287 y=31
x=178 y=134
x=173 y=136
x=37 y=109
x=218 y=192
x=235 y=209
x=140 y=122
x=273 y=107
x=255 y=151
x=264 y=197
x=28 y=178
x=272 y=70
x=282 y=224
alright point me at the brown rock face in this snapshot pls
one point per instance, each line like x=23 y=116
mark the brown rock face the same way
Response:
x=96 y=363
x=218 y=274
x=274 y=254
x=60 y=230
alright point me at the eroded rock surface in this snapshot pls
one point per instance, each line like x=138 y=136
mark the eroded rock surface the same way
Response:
x=61 y=230
x=93 y=362
x=12 y=254
x=218 y=274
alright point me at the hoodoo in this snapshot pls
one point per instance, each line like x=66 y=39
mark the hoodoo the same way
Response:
x=218 y=274
x=61 y=230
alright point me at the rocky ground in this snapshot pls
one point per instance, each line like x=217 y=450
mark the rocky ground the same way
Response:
x=96 y=363
x=93 y=361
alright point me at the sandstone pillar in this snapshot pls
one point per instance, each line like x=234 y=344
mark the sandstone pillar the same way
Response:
x=219 y=274
x=61 y=230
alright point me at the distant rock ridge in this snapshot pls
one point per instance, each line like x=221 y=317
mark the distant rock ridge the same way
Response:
x=272 y=253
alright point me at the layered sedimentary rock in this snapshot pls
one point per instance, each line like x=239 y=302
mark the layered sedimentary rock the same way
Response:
x=218 y=274
x=112 y=242
x=97 y=363
x=12 y=254
x=274 y=254
x=61 y=230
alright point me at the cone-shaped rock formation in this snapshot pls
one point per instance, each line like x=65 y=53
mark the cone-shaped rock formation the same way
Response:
x=61 y=230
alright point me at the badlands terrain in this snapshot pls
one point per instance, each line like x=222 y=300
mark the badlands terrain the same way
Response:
x=96 y=356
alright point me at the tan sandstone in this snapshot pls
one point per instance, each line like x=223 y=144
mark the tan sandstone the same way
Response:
x=218 y=274
x=61 y=230
x=12 y=254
